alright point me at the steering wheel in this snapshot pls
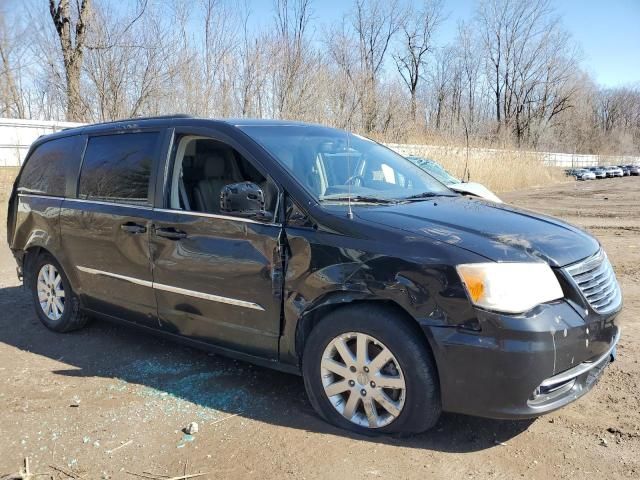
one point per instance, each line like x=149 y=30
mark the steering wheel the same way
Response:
x=352 y=180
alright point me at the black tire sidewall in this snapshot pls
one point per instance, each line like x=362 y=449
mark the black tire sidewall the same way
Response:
x=422 y=395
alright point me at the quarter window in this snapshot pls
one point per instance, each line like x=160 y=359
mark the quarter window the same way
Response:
x=45 y=170
x=117 y=168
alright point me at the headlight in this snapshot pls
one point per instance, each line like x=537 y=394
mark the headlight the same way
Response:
x=509 y=287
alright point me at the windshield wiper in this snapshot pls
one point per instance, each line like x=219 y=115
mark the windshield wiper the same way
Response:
x=423 y=195
x=357 y=198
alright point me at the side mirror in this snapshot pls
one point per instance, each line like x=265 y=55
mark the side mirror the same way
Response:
x=244 y=199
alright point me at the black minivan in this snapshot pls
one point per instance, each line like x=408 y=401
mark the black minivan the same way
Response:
x=318 y=252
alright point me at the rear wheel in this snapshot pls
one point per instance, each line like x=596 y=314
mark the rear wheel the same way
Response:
x=57 y=306
x=368 y=371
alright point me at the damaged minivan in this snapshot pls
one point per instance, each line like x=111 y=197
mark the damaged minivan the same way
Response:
x=317 y=252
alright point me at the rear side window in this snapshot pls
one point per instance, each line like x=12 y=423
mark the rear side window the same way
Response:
x=117 y=168
x=46 y=168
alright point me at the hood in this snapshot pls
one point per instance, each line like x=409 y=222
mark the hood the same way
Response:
x=477 y=189
x=496 y=231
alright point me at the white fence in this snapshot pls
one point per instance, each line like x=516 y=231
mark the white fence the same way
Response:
x=17 y=135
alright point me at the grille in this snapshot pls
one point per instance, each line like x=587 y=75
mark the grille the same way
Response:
x=597 y=281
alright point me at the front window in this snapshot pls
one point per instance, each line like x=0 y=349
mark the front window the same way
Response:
x=333 y=165
x=203 y=167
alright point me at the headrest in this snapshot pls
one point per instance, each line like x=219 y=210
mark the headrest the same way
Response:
x=214 y=164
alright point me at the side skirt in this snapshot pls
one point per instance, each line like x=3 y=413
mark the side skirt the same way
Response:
x=226 y=352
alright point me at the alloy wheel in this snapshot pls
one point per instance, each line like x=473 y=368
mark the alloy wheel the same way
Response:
x=363 y=380
x=51 y=294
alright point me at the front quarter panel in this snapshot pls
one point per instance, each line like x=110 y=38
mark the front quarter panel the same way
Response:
x=327 y=268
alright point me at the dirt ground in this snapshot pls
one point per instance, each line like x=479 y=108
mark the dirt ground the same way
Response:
x=109 y=402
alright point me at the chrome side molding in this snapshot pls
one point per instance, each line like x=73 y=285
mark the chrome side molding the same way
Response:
x=208 y=296
x=137 y=281
x=169 y=288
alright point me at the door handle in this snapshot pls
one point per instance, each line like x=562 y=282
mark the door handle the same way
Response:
x=170 y=233
x=133 y=228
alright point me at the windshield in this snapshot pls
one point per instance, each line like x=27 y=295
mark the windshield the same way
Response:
x=434 y=169
x=333 y=165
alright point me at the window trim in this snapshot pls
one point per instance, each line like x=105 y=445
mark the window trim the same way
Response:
x=111 y=204
x=163 y=186
x=215 y=215
x=156 y=160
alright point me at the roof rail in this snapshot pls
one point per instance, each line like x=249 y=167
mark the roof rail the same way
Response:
x=134 y=119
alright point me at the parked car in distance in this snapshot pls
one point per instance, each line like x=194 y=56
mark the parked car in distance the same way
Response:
x=613 y=171
x=634 y=169
x=317 y=252
x=437 y=171
x=584 y=174
x=599 y=172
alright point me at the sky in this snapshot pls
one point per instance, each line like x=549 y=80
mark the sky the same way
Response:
x=608 y=31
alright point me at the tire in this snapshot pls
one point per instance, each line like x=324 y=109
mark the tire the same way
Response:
x=56 y=305
x=414 y=409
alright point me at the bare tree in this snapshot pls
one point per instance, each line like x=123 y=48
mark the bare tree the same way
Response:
x=219 y=40
x=250 y=73
x=510 y=77
x=470 y=64
x=127 y=63
x=12 y=101
x=417 y=33
x=440 y=85
x=72 y=41
x=375 y=23
x=291 y=50
x=531 y=59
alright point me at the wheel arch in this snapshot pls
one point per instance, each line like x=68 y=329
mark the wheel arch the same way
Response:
x=314 y=315
x=31 y=255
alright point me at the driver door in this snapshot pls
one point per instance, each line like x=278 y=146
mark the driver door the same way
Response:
x=217 y=277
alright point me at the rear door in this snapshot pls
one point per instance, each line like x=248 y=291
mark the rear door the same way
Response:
x=217 y=277
x=106 y=227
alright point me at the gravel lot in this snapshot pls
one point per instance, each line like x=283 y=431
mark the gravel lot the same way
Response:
x=108 y=402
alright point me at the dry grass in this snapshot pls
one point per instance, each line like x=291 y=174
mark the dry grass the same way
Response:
x=495 y=162
x=7 y=176
x=498 y=170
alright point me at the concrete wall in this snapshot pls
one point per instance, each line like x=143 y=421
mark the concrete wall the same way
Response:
x=17 y=135
x=547 y=158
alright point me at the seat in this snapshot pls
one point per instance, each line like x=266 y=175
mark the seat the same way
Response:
x=303 y=163
x=207 y=190
x=307 y=169
x=270 y=195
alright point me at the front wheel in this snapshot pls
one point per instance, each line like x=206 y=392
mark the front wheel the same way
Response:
x=368 y=371
x=57 y=306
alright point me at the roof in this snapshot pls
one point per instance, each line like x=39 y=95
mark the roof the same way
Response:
x=163 y=121
x=246 y=122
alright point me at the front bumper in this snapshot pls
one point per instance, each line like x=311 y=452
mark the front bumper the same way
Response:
x=522 y=366
x=565 y=387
